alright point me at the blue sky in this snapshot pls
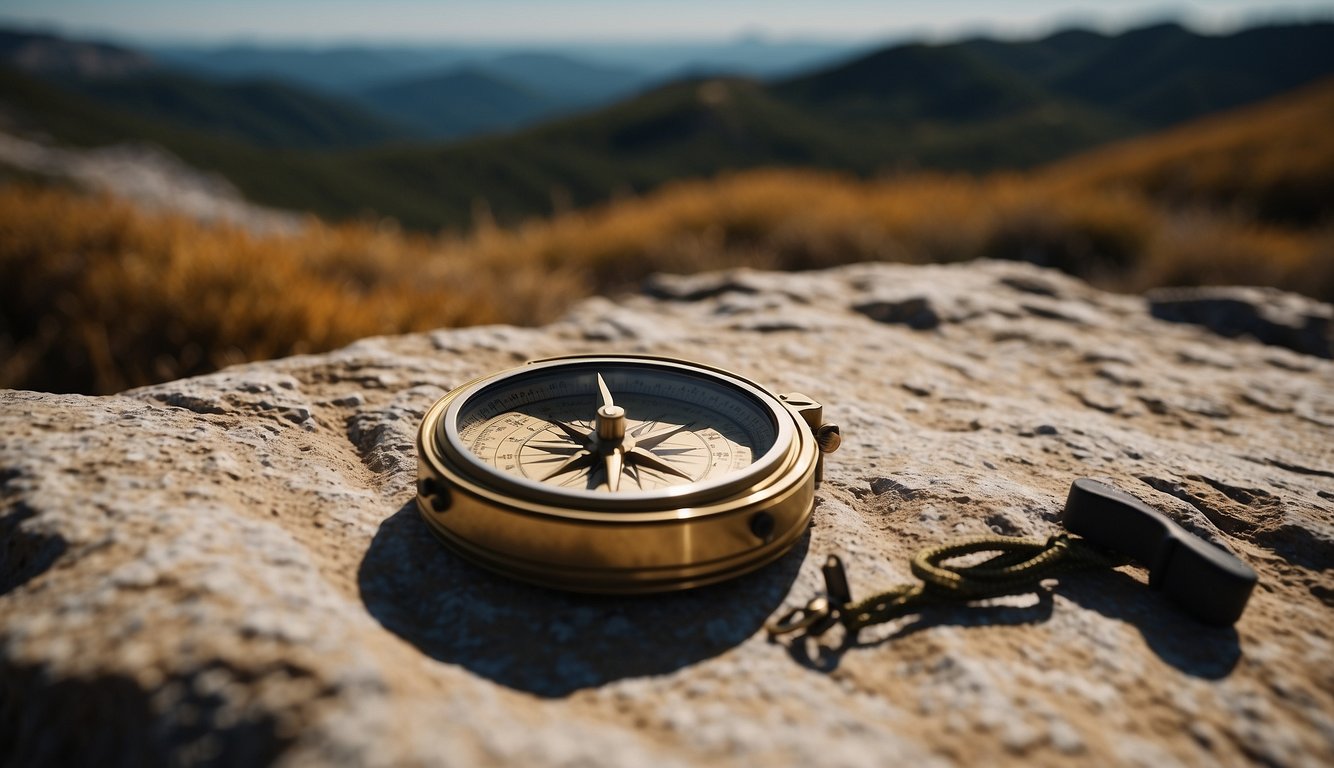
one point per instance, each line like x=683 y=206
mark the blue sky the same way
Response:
x=324 y=21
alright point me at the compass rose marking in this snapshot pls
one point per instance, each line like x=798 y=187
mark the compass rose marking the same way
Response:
x=614 y=465
x=645 y=459
x=667 y=453
x=633 y=471
x=653 y=439
x=561 y=448
x=564 y=445
x=547 y=460
x=578 y=435
x=580 y=460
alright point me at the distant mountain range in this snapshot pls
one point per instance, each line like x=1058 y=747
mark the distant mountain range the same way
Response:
x=428 y=88
x=267 y=114
x=385 y=93
x=352 y=68
x=458 y=103
x=506 y=93
x=974 y=105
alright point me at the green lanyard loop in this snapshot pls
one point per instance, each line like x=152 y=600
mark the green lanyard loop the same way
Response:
x=1114 y=529
x=1018 y=565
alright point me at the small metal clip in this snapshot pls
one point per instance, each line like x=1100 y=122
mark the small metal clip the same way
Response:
x=822 y=613
x=836 y=581
x=814 y=618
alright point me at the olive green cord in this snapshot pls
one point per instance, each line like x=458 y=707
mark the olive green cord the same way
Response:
x=1019 y=566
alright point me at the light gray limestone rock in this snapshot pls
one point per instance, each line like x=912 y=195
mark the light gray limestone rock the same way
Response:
x=230 y=569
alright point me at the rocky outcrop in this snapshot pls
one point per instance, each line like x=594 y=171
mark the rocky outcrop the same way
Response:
x=146 y=175
x=1268 y=315
x=230 y=569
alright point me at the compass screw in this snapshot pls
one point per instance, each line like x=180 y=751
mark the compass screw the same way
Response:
x=762 y=525
x=434 y=493
x=611 y=423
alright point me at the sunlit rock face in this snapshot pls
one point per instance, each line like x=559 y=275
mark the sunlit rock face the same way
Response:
x=230 y=569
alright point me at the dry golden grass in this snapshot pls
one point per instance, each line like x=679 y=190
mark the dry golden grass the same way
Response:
x=1273 y=161
x=96 y=296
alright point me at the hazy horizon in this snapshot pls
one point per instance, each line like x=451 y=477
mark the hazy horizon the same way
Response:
x=336 y=23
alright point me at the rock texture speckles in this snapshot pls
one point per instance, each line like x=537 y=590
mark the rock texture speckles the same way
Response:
x=230 y=568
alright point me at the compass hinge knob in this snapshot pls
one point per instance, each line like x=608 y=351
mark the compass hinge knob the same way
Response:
x=827 y=436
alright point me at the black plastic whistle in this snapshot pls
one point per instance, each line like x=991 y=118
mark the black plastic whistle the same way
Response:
x=1208 y=583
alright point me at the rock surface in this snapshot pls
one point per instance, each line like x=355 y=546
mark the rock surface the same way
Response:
x=229 y=569
x=146 y=175
x=1266 y=314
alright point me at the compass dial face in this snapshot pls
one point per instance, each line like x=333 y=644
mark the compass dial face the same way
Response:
x=615 y=429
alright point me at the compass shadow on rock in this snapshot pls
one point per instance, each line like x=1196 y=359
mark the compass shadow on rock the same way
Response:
x=547 y=642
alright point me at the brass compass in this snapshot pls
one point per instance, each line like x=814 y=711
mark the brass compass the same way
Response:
x=620 y=473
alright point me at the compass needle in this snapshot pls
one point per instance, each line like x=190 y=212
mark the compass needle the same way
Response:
x=604 y=393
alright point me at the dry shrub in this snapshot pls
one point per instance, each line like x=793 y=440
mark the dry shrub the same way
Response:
x=1272 y=161
x=96 y=296
x=1196 y=249
x=1098 y=235
x=775 y=219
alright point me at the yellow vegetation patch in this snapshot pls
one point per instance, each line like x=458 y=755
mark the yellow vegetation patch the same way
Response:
x=96 y=296
x=99 y=297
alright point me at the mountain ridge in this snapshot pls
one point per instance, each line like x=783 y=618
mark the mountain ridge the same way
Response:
x=458 y=102
x=267 y=114
x=966 y=106
x=47 y=53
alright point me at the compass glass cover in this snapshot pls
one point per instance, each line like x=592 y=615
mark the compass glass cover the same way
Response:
x=609 y=428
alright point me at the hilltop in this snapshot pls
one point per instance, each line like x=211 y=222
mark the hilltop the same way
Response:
x=1272 y=161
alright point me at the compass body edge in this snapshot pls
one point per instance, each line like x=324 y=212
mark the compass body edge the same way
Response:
x=591 y=540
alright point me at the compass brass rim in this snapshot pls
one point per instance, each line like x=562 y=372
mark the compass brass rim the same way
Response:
x=663 y=509
x=650 y=542
x=614 y=578
x=447 y=436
